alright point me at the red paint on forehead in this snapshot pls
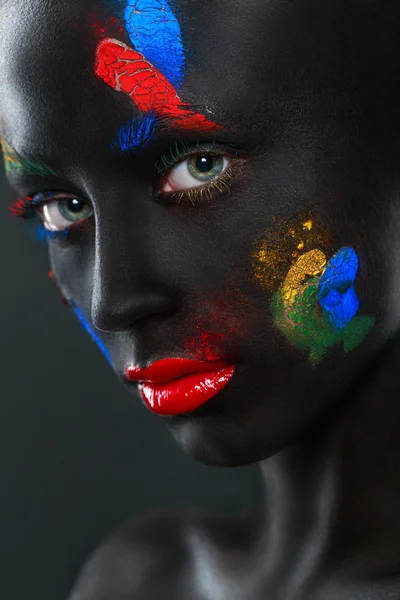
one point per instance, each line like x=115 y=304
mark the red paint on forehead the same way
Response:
x=127 y=70
x=99 y=27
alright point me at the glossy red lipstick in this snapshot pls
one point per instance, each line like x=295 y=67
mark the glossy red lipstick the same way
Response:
x=173 y=386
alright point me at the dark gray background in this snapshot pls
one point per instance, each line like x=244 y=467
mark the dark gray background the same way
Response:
x=78 y=455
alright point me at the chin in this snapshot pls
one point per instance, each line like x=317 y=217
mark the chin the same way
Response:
x=219 y=441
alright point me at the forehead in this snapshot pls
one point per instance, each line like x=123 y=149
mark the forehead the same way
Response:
x=243 y=58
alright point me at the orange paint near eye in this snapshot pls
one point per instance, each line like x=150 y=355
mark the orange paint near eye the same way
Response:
x=127 y=70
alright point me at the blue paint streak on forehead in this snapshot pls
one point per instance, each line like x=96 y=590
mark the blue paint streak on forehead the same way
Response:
x=336 y=292
x=90 y=331
x=154 y=31
x=137 y=134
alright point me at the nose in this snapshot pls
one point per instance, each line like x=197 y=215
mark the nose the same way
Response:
x=127 y=285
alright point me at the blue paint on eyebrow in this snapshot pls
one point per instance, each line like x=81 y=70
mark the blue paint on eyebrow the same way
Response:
x=137 y=134
x=336 y=292
x=90 y=331
x=154 y=31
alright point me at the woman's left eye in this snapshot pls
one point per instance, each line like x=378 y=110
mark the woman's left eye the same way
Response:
x=195 y=171
x=58 y=215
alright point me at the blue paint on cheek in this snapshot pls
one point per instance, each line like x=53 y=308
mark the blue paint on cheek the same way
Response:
x=154 y=31
x=137 y=134
x=92 y=334
x=341 y=307
x=336 y=292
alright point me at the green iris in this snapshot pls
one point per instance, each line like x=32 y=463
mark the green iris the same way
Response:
x=205 y=167
x=74 y=209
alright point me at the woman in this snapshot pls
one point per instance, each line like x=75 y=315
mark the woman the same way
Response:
x=219 y=185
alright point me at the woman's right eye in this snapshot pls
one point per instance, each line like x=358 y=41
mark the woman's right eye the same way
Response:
x=59 y=214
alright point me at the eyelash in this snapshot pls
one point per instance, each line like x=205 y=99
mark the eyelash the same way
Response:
x=180 y=152
x=44 y=235
x=26 y=208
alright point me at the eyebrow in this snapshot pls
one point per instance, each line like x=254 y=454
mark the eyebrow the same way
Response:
x=138 y=132
x=14 y=161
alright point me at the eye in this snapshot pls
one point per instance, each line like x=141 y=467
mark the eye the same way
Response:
x=61 y=214
x=196 y=171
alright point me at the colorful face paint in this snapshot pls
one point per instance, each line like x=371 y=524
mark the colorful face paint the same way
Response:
x=336 y=293
x=81 y=318
x=155 y=32
x=128 y=71
x=308 y=265
x=281 y=244
x=317 y=304
x=151 y=72
x=14 y=161
x=90 y=331
x=137 y=134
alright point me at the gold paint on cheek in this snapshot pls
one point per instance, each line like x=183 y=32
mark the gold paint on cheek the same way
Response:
x=310 y=264
x=308 y=224
x=282 y=244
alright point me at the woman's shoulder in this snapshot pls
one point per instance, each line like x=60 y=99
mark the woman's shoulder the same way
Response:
x=147 y=558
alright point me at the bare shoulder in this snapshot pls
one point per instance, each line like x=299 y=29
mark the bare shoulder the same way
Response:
x=147 y=559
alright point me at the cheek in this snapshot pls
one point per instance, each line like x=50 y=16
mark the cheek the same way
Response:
x=314 y=303
x=221 y=324
x=84 y=323
x=72 y=262
x=70 y=301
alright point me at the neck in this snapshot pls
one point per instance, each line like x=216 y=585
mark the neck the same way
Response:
x=336 y=496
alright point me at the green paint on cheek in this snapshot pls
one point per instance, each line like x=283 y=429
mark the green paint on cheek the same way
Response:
x=307 y=326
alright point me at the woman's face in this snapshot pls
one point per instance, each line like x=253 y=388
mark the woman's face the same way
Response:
x=218 y=183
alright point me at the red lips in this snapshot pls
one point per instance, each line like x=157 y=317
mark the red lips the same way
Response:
x=177 y=385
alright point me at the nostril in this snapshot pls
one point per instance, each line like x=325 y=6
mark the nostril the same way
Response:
x=121 y=314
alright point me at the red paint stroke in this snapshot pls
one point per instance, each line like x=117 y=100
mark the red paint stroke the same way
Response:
x=126 y=70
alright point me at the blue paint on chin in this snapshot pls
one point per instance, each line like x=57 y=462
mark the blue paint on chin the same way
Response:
x=336 y=292
x=90 y=331
x=137 y=134
x=154 y=31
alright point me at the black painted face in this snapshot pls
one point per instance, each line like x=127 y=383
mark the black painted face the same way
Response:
x=286 y=264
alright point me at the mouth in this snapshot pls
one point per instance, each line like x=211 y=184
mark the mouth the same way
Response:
x=174 y=386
